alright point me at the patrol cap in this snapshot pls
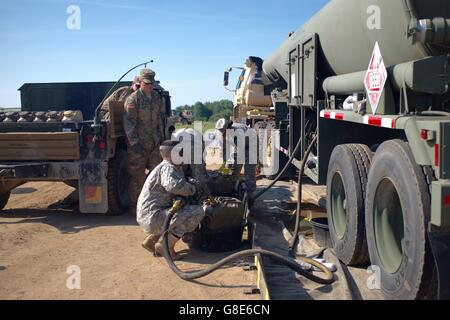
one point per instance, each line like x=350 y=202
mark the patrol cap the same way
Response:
x=147 y=75
x=222 y=124
x=137 y=79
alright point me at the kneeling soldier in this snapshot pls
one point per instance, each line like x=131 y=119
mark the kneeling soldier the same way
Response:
x=162 y=187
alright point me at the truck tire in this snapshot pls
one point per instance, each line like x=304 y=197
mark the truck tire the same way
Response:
x=4 y=197
x=346 y=187
x=397 y=215
x=118 y=196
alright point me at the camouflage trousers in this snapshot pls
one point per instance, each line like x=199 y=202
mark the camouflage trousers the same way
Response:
x=136 y=165
x=249 y=170
x=186 y=220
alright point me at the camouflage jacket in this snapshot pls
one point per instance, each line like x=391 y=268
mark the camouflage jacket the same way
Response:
x=163 y=184
x=143 y=121
x=120 y=95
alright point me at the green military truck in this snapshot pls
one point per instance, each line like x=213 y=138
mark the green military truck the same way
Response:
x=68 y=144
x=370 y=79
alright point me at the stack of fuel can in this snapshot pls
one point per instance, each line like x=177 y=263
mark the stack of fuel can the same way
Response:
x=41 y=116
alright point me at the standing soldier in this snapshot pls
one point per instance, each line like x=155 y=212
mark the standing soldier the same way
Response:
x=120 y=95
x=223 y=125
x=144 y=129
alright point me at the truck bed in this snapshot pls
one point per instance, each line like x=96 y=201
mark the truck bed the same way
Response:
x=39 y=146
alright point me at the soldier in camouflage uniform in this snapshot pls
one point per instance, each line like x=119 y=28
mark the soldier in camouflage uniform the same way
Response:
x=144 y=129
x=162 y=187
x=249 y=169
x=120 y=95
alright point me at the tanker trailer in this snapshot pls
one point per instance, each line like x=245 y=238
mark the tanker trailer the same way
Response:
x=371 y=80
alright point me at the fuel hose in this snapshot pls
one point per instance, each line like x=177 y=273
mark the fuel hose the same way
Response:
x=291 y=263
x=299 y=186
x=278 y=177
x=299 y=196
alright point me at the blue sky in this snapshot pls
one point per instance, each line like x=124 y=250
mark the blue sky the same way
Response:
x=192 y=42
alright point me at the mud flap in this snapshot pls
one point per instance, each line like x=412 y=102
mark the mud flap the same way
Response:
x=440 y=244
x=93 y=187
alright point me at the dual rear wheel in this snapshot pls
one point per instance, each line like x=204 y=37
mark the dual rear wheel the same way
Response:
x=378 y=209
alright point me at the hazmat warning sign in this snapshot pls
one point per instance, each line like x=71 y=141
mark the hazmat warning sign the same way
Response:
x=375 y=78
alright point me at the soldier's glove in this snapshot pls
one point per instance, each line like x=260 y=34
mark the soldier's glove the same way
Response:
x=196 y=183
x=138 y=148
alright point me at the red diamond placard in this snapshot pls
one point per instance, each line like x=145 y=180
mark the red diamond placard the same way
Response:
x=375 y=78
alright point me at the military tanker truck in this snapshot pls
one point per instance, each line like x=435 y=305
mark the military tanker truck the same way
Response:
x=371 y=80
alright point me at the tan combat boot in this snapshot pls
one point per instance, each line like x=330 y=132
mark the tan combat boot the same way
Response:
x=150 y=242
x=172 y=240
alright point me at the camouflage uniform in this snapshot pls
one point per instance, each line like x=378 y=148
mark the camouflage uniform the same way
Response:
x=143 y=125
x=195 y=170
x=249 y=169
x=120 y=95
x=162 y=186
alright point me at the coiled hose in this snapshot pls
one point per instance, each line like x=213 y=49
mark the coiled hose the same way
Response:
x=291 y=263
x=239 y=255
x=299 y=186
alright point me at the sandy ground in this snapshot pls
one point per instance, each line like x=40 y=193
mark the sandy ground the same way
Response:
x=42 y=234
x=40 y=238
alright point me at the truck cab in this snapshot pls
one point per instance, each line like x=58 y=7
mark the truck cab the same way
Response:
x=252 y=101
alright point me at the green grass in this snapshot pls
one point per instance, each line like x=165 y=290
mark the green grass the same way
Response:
x=205 y=126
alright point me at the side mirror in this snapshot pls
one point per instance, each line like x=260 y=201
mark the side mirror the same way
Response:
x=226 y=77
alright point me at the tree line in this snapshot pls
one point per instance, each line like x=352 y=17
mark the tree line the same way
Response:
x=209 y=111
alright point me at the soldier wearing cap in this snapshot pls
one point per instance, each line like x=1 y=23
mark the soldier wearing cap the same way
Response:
x=144 y=129
x=120 y=95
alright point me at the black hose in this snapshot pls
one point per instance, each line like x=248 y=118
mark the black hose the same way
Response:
x=239 y=255
x=96 y=119
x=278 y=177
x=299 y=196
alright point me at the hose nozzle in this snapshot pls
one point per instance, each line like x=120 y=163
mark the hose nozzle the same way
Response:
x=177 y=206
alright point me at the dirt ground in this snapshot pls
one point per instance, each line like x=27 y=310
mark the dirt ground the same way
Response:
x=41 y=236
